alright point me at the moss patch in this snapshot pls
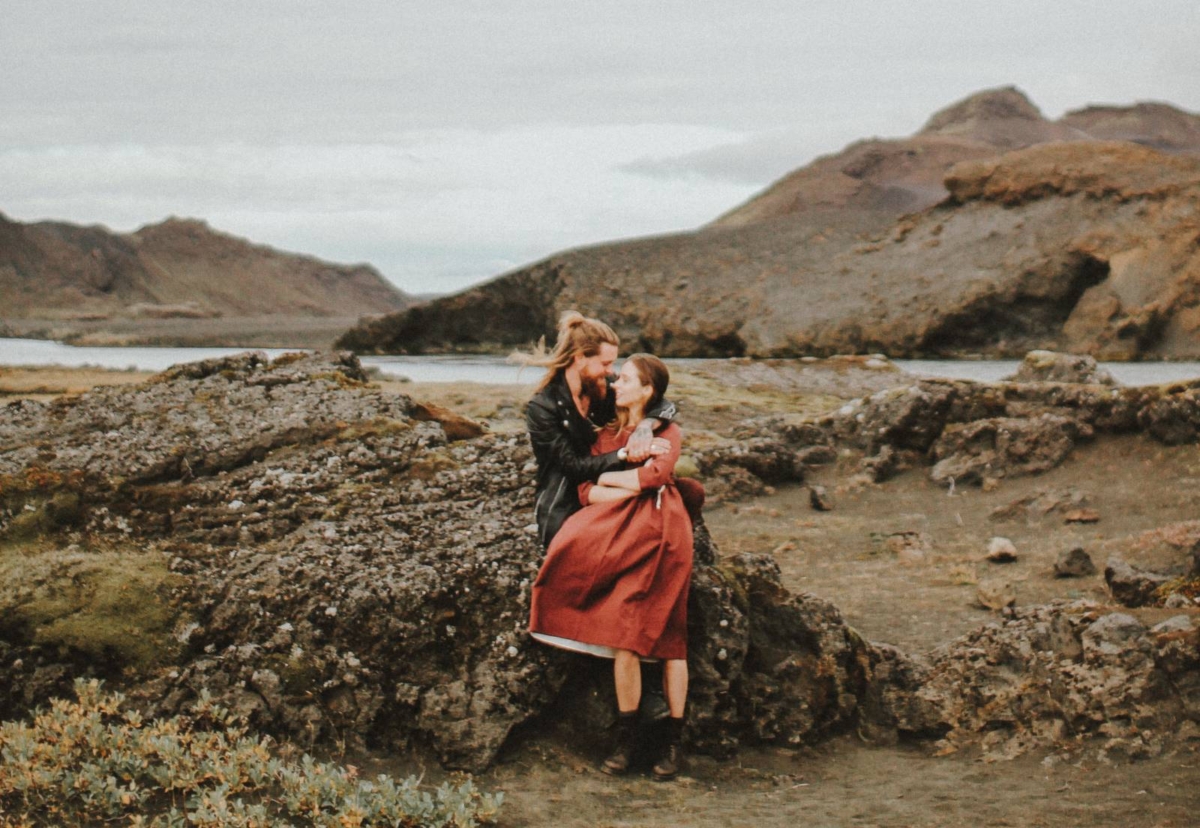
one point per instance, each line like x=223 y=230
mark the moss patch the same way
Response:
x=430 y=465
x=111 y=605
x=378 y=427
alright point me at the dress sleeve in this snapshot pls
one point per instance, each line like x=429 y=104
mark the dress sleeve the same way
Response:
x=585 y=491
x=659 y=470
x=600 y=448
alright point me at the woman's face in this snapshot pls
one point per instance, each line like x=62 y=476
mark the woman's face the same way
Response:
x=629 y=389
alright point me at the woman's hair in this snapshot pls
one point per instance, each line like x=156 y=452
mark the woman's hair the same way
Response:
x=577 y=334
x=651 y=371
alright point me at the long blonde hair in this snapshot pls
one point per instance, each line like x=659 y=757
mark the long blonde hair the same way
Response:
x=577 y=334
x=651 y=371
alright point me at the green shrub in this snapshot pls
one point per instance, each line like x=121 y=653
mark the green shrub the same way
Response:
x=89 y=762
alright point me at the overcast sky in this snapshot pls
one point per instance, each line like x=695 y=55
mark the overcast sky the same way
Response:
x=447 y=142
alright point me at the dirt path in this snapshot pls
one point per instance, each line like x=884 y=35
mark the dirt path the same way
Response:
x=553 y=781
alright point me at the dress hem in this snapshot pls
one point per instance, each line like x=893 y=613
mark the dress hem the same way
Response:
x=598 y=650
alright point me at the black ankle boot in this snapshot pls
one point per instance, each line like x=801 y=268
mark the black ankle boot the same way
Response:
x=626 y=743
x=671 y=755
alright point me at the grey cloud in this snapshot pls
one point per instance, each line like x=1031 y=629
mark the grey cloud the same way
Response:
x=367 y=129
x=756 y=161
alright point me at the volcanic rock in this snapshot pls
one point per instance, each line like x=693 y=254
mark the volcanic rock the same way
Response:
x=1004 y=447
x=995 y=594
x=1042 y=672
x=295 y=542
x=1082 y=516
x=1048 y=366
x=819 y=499
x=1036 y=505
x=1074 y=563
x=1132 y=585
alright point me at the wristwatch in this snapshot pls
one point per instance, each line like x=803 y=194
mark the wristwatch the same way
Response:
x=622 y=454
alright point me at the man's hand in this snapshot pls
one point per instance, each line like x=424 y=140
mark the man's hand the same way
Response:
x=643 y=444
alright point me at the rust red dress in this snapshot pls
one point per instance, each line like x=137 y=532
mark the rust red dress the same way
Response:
x=616 y=575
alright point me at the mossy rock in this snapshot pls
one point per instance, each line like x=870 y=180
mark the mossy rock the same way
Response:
x=62 y=511
x=378 y=427
x=687 y=466
x=112 y=608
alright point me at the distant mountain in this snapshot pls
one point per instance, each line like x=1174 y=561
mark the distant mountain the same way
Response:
x=991 y=231
x=181 y=268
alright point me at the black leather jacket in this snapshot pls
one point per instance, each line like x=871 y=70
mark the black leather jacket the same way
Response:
x=562 y=441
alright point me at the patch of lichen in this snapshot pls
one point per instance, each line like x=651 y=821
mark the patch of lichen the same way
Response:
x=378 y=427
x=736 y=579
x=62 y=511
x=1188 y=586
x=33 y=481
x=300 y=675
x=39 y=501
x=290 y=358
x=111 y=606
x=430 y=465
x=340 y=380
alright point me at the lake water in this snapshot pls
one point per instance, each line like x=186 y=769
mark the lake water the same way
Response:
x=492 y=369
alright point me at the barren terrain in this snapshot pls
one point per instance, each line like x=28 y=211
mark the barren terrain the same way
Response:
x=918 y=597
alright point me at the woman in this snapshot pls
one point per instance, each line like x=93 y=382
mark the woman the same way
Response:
x=615 y=579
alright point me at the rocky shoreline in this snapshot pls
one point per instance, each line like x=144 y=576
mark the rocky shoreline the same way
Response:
x=342 y=563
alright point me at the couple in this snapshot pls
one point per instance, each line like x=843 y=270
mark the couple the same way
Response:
x=618 y=533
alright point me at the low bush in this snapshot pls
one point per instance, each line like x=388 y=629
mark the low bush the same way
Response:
x=91 y=762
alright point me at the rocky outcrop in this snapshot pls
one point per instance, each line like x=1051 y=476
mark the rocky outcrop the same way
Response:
x=180 y=268
x=993 y=231
x=966 y=432
x=998 y=447
x=1156 y=125
x=1051 y=676
x=324 y=558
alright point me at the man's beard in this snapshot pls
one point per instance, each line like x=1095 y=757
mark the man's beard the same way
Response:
x=596 y=387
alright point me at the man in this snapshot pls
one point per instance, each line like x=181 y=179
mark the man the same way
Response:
x=572 y=401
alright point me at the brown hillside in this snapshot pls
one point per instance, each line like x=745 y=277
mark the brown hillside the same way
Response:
x=905 y=174
x=179 y=268
x=1156 y=125
x=1069 y=242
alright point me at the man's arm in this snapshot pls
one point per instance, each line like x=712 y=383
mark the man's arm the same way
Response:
x=642 y=444
x=551 y=445
x=653 y=474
